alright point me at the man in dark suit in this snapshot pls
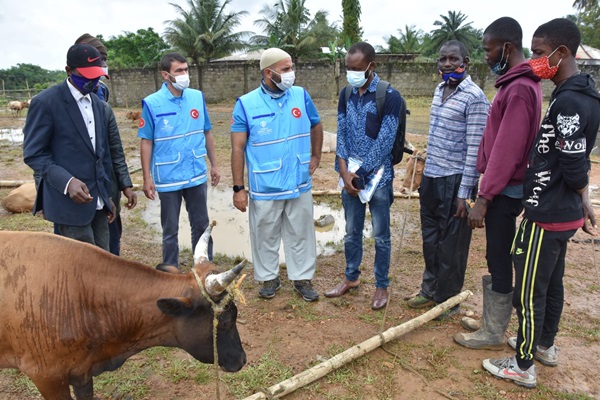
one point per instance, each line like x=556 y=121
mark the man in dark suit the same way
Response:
x=66 y=144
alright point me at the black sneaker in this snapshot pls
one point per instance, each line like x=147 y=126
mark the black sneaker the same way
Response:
x=269 y=288
x=306 y=290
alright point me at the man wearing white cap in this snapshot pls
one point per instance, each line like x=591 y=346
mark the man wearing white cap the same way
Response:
x=66 y=144
x=276 y=131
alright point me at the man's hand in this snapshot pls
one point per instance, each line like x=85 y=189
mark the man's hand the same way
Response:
x=477 y=213
x=215 y=176
x=240 y=200
x=131 y=198
x=149 y=188
x=589 y=217
x=314 y=164
x=461 y=208
x=112 y=215
x=347 y=177
x=78 y=192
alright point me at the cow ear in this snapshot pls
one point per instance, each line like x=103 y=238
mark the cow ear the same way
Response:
x=175 y=307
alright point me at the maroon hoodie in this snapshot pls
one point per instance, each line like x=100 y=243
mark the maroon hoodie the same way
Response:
x=512 y=124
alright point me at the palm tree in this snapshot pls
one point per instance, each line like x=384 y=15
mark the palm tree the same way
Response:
x=351 y=25
x=288 y=25
x=451 y=28
x=410 y=41
x=205 y=31
x=580 y=5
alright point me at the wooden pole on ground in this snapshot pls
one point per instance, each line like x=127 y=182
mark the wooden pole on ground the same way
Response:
x=318 y=371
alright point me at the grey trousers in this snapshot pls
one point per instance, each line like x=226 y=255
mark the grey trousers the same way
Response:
x=290 y=221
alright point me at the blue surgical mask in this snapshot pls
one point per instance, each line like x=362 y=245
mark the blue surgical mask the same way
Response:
x=499 y=68
x=358 y=79
x=85 y=85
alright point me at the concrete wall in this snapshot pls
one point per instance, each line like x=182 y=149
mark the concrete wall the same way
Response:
x=225 y=81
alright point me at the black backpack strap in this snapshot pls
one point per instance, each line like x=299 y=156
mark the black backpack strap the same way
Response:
x=347 y=93
x=380 y=92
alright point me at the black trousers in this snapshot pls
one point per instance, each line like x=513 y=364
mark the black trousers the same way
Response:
x=446 y=239
x=539 y=259
x=500 y=227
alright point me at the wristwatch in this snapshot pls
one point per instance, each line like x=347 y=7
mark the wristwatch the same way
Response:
x=237 y=188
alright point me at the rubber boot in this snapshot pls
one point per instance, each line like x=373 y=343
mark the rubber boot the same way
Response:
x=497 y=310
x=473 y=324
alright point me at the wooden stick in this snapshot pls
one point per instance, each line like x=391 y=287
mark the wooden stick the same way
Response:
x=318 y=371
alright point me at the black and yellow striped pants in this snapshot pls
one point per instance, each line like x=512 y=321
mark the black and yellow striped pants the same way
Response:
x=539 y=261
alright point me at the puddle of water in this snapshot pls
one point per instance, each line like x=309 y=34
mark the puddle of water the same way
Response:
x=13 y=135
x=231 y=237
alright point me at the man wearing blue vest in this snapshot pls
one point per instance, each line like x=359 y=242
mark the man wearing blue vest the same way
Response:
x=176 y=137
x=276 y=131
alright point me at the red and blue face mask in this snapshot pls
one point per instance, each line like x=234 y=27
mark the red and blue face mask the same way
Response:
x=455 y=75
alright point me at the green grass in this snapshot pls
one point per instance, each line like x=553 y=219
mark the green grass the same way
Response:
x=265 y=372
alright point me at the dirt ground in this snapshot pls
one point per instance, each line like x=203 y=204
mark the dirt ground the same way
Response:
x=423 y=364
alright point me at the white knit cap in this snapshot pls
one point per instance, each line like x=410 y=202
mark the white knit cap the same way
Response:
x=272 y=56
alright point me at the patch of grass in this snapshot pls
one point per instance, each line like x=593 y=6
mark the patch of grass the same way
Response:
x=21 y=384
x=131 y=379
x=266 y=372
x=303 y=309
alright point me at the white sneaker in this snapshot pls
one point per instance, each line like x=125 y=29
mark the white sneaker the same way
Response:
x=548 y=357
x=507 y=368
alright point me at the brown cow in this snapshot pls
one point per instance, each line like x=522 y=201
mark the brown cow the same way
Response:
x=71 y=311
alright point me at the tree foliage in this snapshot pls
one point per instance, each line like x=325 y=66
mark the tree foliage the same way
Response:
x=409 y=41
x=206 y=31
x=585 y=4
x=129 y=50
x=589 y=24
x=351 y=30
x=452 y=27
x=21 y=75
x=288 y=25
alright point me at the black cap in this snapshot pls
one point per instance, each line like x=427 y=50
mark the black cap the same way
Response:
x=87 y=61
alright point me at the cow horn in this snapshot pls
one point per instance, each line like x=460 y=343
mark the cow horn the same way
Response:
x=215 y=284
x=201 y=250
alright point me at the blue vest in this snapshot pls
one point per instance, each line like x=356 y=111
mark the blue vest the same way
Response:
x=278 y=146
x=179 y=144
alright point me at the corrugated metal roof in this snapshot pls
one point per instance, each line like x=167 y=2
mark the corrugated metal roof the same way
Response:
x=587 y=53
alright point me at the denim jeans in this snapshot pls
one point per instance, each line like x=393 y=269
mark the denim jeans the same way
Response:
x=354 y=212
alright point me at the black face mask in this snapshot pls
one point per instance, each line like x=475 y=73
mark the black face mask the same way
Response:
x=85 y=85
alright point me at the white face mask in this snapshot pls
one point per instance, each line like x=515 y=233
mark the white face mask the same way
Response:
x=358 y=79
x=181 y=82
x=105 y=71
x=287 y=80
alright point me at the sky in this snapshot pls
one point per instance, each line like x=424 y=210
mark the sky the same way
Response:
x=40 y=32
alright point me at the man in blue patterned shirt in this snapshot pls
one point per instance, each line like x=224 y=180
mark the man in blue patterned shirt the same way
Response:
x=365 y=140
x=457 y=118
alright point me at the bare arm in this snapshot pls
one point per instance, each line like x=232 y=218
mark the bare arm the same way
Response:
x=238 y=147
x=215 y=175
x=316 y=145
x=146 y=158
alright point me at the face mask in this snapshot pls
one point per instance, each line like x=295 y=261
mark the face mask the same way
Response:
x=455 y=75
x=541 y=66
x=358 y=79
x=499 y=68
x=105 y=71
x=287 y=80
x=85 y=86
x=182 y=82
